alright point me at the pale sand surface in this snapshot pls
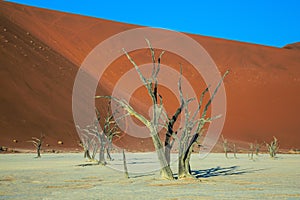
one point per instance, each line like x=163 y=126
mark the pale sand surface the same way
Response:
x=60 y=176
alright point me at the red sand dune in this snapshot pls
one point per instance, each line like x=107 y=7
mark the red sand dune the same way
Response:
x=41 y=51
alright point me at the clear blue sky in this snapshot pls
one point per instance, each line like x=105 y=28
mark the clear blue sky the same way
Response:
x=266 y=22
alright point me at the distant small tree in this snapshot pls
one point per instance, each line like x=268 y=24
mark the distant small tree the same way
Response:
x=95 y=140
x=273 y=147
x=110 y=128
x=225 y=146
x=251 y=151
x=89 y=143
x=37 y=142
x=234 y=151
x=257 y=148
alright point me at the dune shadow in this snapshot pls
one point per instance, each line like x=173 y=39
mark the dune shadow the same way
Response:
x=222 y=171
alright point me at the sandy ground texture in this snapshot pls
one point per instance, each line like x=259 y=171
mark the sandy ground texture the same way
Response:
x=69 y=176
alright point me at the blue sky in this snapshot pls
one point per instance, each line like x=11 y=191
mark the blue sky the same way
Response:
x=266 y=22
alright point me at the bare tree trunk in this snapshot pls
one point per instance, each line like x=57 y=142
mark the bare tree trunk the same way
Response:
x=87 y=154
x=234 y=151
x=125 y=165
x=165 y=171
x=168 y=153
x=181 y=167
x=170 y=132
x=251 y=151
x=37 y=142
x=101 y=156
x=184 y=168
x=257 y=148
x=39 y=150
x=102 y=150
x=273 y=147
x=108 y=156
x=182 y=172
x=225 y=146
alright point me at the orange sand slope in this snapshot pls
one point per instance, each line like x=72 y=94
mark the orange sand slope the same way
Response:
x=41 y=51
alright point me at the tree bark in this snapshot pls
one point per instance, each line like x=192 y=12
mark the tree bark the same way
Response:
x=125 y=165
x=101 y=156
x=165 y=172
x=102 y=150
x=184 y=169
x=39 y=151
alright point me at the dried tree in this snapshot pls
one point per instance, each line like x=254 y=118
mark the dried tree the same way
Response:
x=234 y=151
x=273 y=147
x=94 y=140
x=125 y=165
x=89 y=142
x=225 y=146
x=251 y=151
x=187 y=139
x=151 y=86
x=257 y=148
x=110 y=129
x=37 y=142
x=102 y=140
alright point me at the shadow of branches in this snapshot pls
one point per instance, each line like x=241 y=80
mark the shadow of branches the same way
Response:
x=222 y=171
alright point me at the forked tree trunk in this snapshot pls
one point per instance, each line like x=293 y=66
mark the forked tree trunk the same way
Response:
x=87 y=154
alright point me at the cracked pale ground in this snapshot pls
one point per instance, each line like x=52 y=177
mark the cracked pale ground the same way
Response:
x=60 y=176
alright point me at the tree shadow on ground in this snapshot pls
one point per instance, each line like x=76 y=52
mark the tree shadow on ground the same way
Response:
x=88 y=164
x=222 y=171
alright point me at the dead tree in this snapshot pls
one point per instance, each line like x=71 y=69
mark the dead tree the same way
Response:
x=95 y=140
x=152 y=125
x=110 y=129
x=257 y=148
x=225 y=146
x=125 y=165
x=186 y=145
x=37 y=142
x=102 y=142
x=251 y=151
x=89 y=142
x=273 y=147
x=187 y=139
x=234 y=151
